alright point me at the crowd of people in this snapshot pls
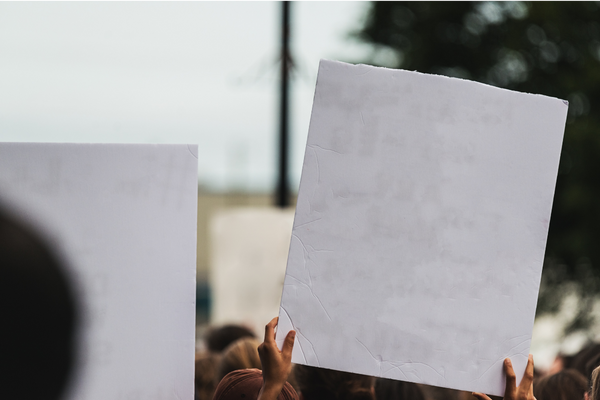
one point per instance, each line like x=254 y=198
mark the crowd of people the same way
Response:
x=235 y=366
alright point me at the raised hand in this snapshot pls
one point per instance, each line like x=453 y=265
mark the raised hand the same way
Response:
x=276 y=364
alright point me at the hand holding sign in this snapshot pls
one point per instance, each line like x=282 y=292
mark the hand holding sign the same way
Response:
x=513 y=392
x=423 y=200
x=276 y=364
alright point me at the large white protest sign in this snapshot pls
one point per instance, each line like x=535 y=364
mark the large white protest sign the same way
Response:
x=125 y=217
x=420 y=227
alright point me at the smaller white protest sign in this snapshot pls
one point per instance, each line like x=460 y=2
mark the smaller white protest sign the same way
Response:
x=420 y=227
x=249 y=247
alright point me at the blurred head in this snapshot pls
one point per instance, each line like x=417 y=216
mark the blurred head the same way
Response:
x=566 y=384
x=218 y=339
x=561 y=362
x=206 y=375
x=583 y=357
x=389 y=389
x=325 y=384
x=241 y=354
x=39 y=316
x=245 y=384
x=440 y=393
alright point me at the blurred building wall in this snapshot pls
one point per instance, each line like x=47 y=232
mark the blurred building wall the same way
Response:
x=209 y=205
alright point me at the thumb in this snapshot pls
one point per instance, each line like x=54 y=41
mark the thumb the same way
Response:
x=480 y=396
x=288 y=344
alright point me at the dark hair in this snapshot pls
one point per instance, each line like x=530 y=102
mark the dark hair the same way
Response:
x=566 y=384
x=389 y=389
x=565 y=360
x=219 y=338
x=38 y=316
x=325 y=384
x=584 y=356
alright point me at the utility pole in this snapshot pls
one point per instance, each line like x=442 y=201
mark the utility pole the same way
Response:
x=282 y=195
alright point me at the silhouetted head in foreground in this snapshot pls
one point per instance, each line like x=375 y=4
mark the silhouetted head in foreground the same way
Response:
x=38 y=317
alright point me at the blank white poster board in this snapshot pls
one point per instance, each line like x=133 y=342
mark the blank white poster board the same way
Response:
x=420 y=227
x=125 y=217
x=249 y=248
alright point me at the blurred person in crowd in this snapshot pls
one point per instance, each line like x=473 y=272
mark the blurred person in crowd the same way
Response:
x=440 y=393
x=562 y=361
x=246 y=384
x=217 y=339
x=583 y=356
x=325 y=384
x=389 y=389
x=39 y=316
x=269 y=384
x=568 y=384
x=241 y=354
x=206 y=375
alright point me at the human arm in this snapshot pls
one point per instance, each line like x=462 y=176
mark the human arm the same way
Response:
x=513 y=392
x=276 y=364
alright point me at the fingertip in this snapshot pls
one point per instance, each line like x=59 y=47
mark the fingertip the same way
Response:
x=529 y=366
x=291 y=336
x=510 y=374
x=272 y=324
x=288 y=343
x=270 y=329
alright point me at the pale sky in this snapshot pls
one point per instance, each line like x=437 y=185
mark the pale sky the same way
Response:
x=166 y=72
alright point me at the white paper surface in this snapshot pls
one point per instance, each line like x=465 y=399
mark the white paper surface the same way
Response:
x=125 y=217
x=249 y=247
x=420 y=227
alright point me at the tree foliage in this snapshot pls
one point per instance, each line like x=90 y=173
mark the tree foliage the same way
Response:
x=550 y=48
